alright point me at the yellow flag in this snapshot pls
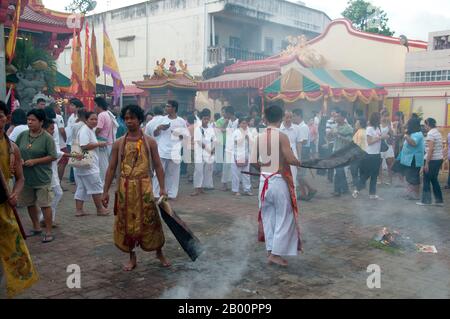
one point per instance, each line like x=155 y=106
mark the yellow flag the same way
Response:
x=90 y=80
x=76 y=67
x=12 y=40
x=110 y=66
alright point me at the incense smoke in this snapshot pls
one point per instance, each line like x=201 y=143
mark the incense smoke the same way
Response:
x=223 y=263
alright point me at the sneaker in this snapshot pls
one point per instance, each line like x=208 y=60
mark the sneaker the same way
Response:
x=422 y=204
x=355 y=194
x=439 y=204
x=375 y=197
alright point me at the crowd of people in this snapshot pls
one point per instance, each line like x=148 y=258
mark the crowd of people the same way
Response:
x=151 y=151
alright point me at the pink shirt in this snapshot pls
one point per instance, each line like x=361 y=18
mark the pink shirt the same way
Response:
x=105 y=125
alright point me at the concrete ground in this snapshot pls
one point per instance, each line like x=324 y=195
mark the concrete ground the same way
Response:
x=337 y=234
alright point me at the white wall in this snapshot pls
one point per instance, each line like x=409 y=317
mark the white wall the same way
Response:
x=428 y=61
x=179 y=29
x=173 y=34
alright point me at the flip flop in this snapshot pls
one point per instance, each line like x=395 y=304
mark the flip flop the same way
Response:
x=46 y=239
x=34 y=233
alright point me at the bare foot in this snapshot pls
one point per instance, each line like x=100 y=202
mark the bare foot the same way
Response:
x=80 y=213
x=164 y=261
x=196 y=193
x=237 y=194
x=131 y=265
x=103 y=212
x=277 y=260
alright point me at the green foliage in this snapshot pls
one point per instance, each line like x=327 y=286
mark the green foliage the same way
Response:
x=367 y=18
x=27 y=54
x=216 y=70
x=81 y=6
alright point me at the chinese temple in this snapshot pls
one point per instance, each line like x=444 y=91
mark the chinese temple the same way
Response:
x=168 y=84
x=48 y=29
x=296 y=77
x=39 y=29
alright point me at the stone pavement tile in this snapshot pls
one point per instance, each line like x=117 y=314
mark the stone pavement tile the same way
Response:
x=337 y=233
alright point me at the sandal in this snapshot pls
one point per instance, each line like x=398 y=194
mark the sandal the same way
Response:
x=34 y=233
x=48 y=238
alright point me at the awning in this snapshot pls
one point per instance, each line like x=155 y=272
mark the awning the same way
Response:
x=312 y=84
x=255 y=80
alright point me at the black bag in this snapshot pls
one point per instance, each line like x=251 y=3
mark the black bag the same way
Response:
x=397 y=167
x=3 y=197
x=384 y=146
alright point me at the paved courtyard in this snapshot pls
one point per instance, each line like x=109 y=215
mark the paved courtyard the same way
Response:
x=337 y=236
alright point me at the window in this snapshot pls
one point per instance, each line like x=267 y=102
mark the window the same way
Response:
x=235 y=42
x=268 y=45
x=430 y=76
x=68 y=56
x=442 y=43
x=126 y=47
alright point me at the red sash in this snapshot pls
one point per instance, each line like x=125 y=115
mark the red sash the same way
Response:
x=287 y=176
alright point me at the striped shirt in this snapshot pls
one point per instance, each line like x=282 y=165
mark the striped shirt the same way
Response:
x=435 y=136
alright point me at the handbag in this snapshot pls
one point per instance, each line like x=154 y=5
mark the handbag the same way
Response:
x=384 y=146
x=87 y=160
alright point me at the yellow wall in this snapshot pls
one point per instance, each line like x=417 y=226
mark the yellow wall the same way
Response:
x=377 y=61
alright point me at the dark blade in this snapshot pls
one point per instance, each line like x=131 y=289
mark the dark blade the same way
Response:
x=341 y=158
x=190 y=244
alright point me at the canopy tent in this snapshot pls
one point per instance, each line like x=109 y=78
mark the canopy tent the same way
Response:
x=228 y=81
x=313 y=84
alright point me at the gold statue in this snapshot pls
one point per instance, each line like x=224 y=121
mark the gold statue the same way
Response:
x=299 y=46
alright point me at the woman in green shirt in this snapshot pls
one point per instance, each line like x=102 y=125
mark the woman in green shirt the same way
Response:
x=38 y=152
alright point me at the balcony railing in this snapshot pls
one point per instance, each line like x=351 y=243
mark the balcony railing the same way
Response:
x=218 y=55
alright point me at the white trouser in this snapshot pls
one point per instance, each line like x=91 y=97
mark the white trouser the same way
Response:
x=237 y=177
x=294 y=175
x=203 y=175
x=171 y=178
x=57 y=190
x=278 y=218
x=103 y=160
x=226 y=173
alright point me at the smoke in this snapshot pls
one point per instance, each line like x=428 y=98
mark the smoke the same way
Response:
x=223 y=263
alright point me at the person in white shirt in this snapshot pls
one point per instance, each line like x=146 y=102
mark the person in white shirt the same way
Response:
x=60 y=128
x=19 y=121
x=307 y=191
x=204 y=150
x=242 y=144
x=88 y=179
x=105 y=131
x=295 y=139
x=433 y=162
x=231 y=124
x=75 y=105
x=50 y=126
x=157 y=120
x=170 y=137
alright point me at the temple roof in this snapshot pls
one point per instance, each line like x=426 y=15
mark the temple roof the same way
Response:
x=36 y=17
x=178 y=81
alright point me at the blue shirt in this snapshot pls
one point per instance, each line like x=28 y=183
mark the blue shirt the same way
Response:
x=409 y=151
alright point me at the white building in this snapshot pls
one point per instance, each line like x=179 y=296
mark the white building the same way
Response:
x=202 y=33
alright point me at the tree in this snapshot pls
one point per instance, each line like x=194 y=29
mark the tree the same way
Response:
x=367 y=18
x=81 y=6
